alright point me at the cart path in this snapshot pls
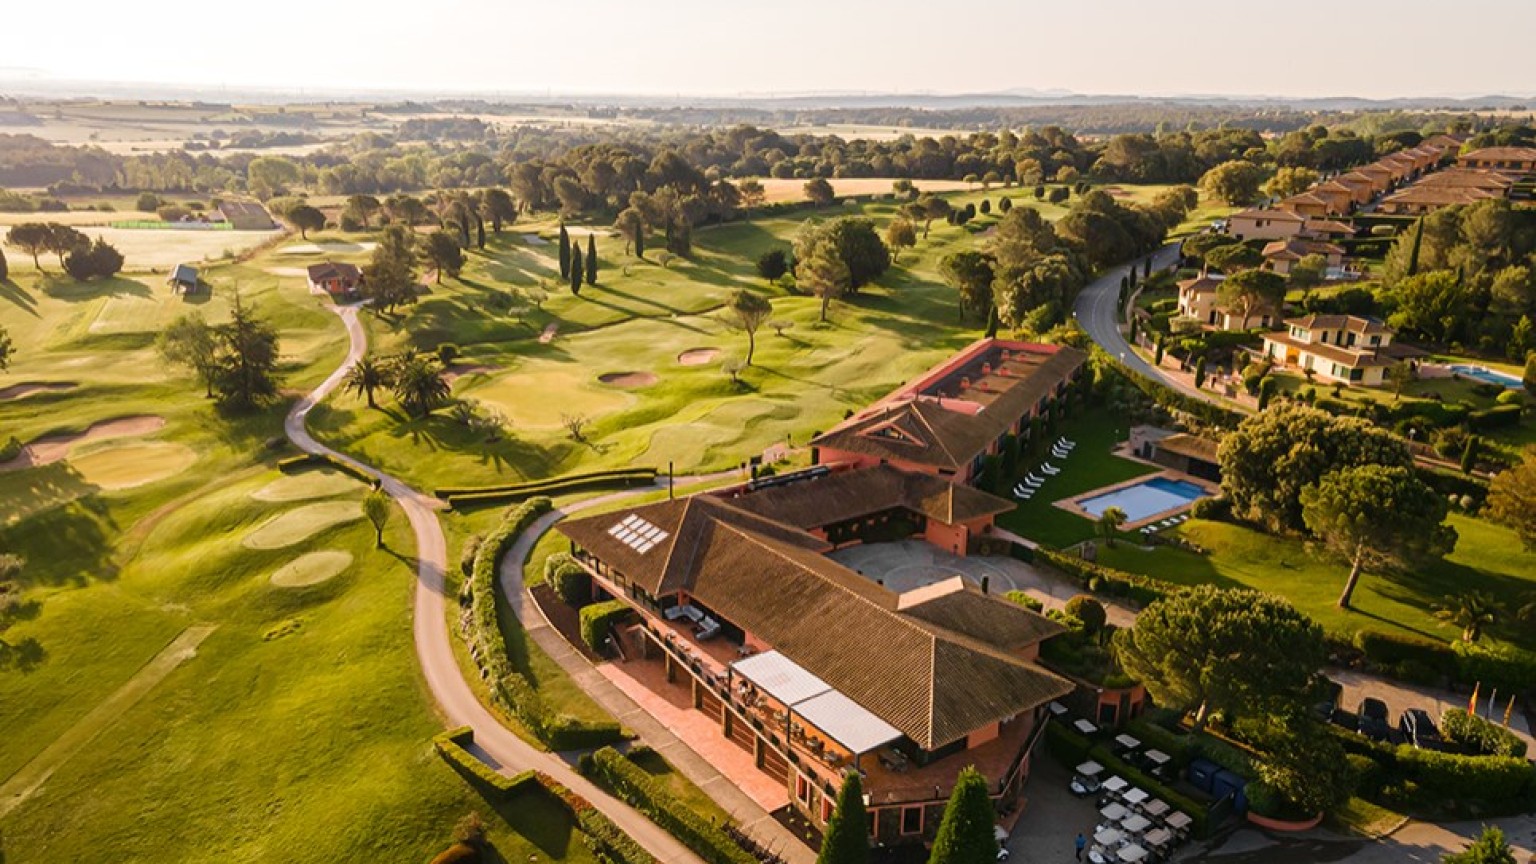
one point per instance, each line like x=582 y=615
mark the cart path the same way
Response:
x=455 y=699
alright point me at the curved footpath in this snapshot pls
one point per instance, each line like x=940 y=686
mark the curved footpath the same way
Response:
x=434 y=647
x=1095 y=310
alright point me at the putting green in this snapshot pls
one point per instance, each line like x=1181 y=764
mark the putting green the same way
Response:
x=318 y=483
x=311 y=568
x=301 y=523
x=537 y=394
x=130 y=465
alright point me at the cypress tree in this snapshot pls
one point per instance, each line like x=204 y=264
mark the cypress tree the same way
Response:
x=1469 y=455
x=5 y=269
x=1200 y=373
x=1146 y=269
x=479 y=231
x=640 y=243
x=965 y=835
x=846 y=840
x=992 y=324
x=565 y=252
x=591 y=259
x=1413 y=257
x=575 y=267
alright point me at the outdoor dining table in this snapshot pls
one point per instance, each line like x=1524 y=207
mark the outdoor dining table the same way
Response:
x=1136 y=824
x=1056 y=708
x=1158 y=757
x=1155 y=808
x=1084 y=727
x=1113 y=812
x=1132 y=853
x=1158 y=837
x=1090 y=769
x=1127 y=742
x=1179 y=821
x=1107 y=837
x=1136 y=796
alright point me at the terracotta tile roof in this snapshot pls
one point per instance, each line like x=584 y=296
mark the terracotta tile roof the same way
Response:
x=327 y=270
x=844 y=495
x=1440 y=195
x=1303 y=198
x=1267 y=214
x=1296 y=248
x=1500 y=154
x=1342 y=356
x=937 y=670
x=921 y=431
x=1350 y=323
x=1330 y=226
x=1474 y=177
x=1200 y=285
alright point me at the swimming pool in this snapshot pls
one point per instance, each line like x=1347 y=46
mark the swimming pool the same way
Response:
x=1145 y=499
x=1482 y=373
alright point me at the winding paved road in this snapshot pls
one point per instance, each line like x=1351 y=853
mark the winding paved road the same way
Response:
x=434 y=646
x=1096 y=312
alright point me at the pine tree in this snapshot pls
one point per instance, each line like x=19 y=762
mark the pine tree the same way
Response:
x=591 y=259
x=846 y=840
x=1146 y=269
x=565 y=252
x=575 y=270
x=992 y=324
x=966 y=833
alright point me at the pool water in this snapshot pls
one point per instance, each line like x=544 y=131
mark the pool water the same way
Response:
x=1145 y=499
x=1488 y=375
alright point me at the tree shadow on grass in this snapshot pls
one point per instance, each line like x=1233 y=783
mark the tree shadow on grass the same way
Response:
x=532 y=812
x=10 y=290
x=69 y=544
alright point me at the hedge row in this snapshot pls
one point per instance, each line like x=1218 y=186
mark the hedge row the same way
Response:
x=607 y=841
x=1072 y=749
x=486 y=645
x=1497 y=417
x=306 y=460
x=1098 y=578
x=451 y=746
x=1453 y=483
x=1404 y=775
x=597 y=621
x=1480 y=734
x=1429 y=662
x=623 y=478
x=631 y=783
x=1162 y=394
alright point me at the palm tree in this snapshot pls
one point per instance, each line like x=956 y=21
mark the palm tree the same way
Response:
x=1471 y=611
x=1109 y=522
x=418 y=384
x=367 y=376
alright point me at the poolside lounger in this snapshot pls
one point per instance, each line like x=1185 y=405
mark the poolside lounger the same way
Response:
x=1048 y=468
x=1033 y=480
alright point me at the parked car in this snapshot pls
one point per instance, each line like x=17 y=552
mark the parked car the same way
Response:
x=1419 y=730
x=1374 y=720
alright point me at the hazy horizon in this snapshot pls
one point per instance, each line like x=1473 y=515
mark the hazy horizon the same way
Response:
x=698 y=49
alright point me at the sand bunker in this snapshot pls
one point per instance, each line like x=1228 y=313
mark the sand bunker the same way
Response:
x=51 y=448
x=133 y=464
x=458 y=372
x=535 y=240
x=576 y=231
x=297 y=525
x=628 y=379
x=311 y=569
x=326 y=248
x=548 y=335
x=306 y=486
x=698 y=356
x=288 y=271
x=27 y=388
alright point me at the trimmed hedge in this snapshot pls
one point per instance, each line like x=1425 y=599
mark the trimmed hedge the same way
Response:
x=1391 y=651
x=606 y=840
x=1162 y=394
x=597 y=621
x=1453 y=483
x=300 y=461
x=489 y=650
x=451 y=746
x=636 y=787
x=1484 y=786
x=572 y=582
x=1498 y=417
x=473 y=495
x=1104 y=580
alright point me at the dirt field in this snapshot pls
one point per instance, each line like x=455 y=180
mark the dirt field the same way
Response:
x=793 y=189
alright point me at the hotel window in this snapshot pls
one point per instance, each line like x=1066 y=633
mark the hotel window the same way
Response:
x=802 y=789
x=826 y=809
x=911 y=820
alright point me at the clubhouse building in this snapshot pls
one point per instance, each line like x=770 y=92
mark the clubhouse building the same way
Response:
x=815 y=669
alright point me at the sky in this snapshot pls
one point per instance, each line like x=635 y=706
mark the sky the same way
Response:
x=1369 y=48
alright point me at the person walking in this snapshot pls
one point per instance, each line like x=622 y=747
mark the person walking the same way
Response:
x=1081 y=843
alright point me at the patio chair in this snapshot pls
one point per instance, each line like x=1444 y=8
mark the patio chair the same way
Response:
x=1061 y=454
x=1050 y=469
x=1033 y=481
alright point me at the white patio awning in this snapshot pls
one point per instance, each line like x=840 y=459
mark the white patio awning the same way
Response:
x=846 y=722
x=814 y=701
x=780 y=677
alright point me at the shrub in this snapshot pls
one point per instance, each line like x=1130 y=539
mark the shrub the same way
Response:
x=1389 y=650
x=598 y=619
x=1502 y=779
x=1089 y=611
x=467 y=555
x=572 y=582
x=1498 y=417
x=1477 y=733
x=636 y=787
x=447 y=352
x=148 y=202
x=1497 y=666
x=1211 y=508
x=1024 y=600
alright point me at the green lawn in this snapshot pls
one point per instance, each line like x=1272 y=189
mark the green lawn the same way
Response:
x=1487 y=557
x=1090 y=466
